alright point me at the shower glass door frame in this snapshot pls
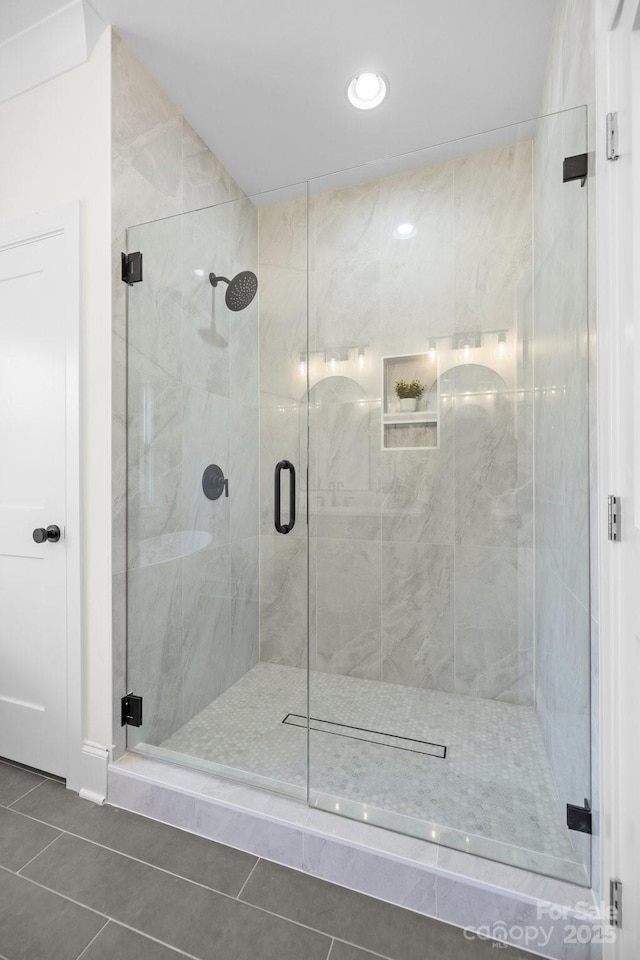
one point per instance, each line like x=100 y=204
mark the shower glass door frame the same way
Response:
x=410 y=649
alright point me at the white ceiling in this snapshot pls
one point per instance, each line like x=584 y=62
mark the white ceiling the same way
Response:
x=263 y=81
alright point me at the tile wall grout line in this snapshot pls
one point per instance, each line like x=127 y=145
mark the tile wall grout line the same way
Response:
x=93 y=939
x=241 y=890
x=25 y=865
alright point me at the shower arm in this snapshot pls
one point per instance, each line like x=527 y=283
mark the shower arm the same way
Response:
x=214 y=280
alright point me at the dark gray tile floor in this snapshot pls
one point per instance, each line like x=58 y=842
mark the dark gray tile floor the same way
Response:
x=82 y=881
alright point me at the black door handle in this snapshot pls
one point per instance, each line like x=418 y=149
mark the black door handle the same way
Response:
x=280 y=526
x=51 y=534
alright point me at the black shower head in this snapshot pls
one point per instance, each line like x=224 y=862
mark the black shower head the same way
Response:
x=240 y=291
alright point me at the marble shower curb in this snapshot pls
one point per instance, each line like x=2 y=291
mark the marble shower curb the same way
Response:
x=543 y=915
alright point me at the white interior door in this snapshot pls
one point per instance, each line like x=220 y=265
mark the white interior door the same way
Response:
x=33 y=594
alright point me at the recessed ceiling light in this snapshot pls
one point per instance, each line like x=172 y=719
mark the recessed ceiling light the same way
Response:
x=367 y=90
x=404 y=231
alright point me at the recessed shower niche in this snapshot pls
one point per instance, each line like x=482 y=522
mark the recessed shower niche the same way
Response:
x=411 y=402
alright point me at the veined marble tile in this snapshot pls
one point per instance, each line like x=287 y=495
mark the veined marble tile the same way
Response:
x=360 y=870
x=417 y=275
x=153 y=800
x=264 y=838
x=283 y=599
x=492 y=203
x=245 y=602
x=206 y=182
x=154 y=439
x=493 y=500
x=283 y=234
x=244 y=356
x=205 y=324
x=344 y=226
x=418 y=490
x=344 y=305
x=348 y=607
x=417 y=615
x=244 y=452
x=514 y=879
x=207 y=648
x=155 y=306
x=283 y=436
x=283 y=331
x=205 y=441
x=136 y=766
x=243 y=235
x=140 y=105
x=493 y=623
x=154 y=641
x=344 y=460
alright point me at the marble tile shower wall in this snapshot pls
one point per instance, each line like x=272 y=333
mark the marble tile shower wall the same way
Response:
x=192 y=400
x=421 y=560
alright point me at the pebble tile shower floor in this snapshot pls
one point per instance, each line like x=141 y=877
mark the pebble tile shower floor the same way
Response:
x=495 y=781
x=85 y=882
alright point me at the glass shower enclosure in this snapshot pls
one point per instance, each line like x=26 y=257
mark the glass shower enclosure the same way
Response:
x=358 y=493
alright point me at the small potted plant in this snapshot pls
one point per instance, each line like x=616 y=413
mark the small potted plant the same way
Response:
x=408 y=393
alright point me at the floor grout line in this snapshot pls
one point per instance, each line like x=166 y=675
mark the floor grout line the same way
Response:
x=240 y=892
x=328 y=957
x=98 y=913
x=170 y=873
x=25 y=865
x=12 y=873
x=129 y=856
x=84 y=950
x=26 y=794
x=32 y=770
x=148 y=936
x=180 y=952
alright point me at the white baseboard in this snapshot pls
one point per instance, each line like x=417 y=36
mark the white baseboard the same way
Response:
x=90 y=781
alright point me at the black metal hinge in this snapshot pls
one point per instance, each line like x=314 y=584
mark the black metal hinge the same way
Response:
x=579 y=818
x=131 y=267
x=131 y=714
x=575 y=168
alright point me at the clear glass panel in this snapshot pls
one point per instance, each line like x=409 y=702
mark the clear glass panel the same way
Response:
x=449 y=551
x=419 y=343
x=217 y=599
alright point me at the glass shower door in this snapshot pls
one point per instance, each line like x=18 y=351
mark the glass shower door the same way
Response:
x=211 y=585
x=448 y=495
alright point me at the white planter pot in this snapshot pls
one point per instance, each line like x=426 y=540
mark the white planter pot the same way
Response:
x=408 y=404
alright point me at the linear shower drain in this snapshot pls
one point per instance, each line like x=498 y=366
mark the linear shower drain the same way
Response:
x=424 y=747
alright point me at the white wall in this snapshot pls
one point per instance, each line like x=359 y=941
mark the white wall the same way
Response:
x=55 y=148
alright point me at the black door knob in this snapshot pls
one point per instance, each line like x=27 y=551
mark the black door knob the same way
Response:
x=52 y=534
